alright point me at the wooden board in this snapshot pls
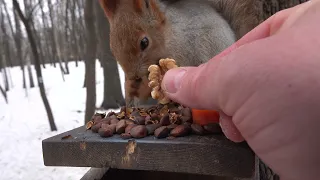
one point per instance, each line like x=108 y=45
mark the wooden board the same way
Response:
x=205 y=155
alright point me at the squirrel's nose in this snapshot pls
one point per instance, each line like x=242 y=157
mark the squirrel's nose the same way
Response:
x=138 y=79
x=135 y=82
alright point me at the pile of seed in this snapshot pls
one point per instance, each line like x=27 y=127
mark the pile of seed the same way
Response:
x=162 y=121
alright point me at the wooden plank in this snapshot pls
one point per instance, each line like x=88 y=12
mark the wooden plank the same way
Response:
x=95 y=174
x=206 y=155
x=108 y=174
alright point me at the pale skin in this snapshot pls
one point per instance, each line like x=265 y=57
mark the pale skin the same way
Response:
x=267 y=89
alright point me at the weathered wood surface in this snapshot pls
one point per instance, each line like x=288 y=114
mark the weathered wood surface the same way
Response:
x=206 y=155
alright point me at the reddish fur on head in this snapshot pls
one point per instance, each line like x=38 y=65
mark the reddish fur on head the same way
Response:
x=130 y=22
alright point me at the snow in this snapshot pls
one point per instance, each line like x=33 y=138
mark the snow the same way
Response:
x=24 y=123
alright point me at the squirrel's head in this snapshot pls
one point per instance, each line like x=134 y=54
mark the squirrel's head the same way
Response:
x=137 y=40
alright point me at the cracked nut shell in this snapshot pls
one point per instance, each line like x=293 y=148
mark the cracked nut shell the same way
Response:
x=95 y=128
x=139 y=131
x=152 y=127
x=186 y=119
x=129 y=127
x=162 y=132
x=121 y=126
x=105 y=132
x=165 y=120
x=172 y=126
x=180 y=130
x=197 y=129
x=114 y=121
x=113 y=128
x=140 y=120
x=186 y=112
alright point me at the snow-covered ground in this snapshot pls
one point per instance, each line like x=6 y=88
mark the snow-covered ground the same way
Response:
x=24 y=122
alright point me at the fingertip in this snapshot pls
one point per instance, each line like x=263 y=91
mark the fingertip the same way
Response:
x=229 y=129
x=172 y=80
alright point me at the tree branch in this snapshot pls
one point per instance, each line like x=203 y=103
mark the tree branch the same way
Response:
x=28 y=17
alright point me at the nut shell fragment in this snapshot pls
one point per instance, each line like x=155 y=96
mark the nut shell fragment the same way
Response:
x=89 y=125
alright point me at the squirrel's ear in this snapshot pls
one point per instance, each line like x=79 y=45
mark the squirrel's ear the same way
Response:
x=109 y=7
x=138 y=5
x=157 y=12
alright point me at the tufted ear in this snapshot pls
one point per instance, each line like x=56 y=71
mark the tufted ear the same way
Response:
x=109 y=7
x=157 y=12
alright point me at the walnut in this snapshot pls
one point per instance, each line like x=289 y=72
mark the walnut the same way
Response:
x=155 y=78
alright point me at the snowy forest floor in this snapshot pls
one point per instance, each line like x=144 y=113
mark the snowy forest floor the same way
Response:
x=24 y=123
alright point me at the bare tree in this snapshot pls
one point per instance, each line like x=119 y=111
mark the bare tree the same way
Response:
x=112 y=96
x=54 y=39
x=80 y=29
x=75 y=47
x=66 y=39
x=3 y=69
x=5 y=50
x=90 y=59
x=4 y=94
x=28 y=10
x=45 y=32
x=33 y=46
x=17 y=41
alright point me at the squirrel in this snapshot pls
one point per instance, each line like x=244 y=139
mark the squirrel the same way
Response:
x=191 y=32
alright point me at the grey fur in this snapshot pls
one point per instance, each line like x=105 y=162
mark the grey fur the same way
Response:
x=198 y=32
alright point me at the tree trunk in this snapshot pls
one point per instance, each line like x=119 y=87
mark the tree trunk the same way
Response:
x=10 y=78
x=4 y=73
x=81 y=29
x=5 y=39
x=4 y=94
x=55 y=46
x=5 y=50
x=112 y=96
x=17 y=40
x=45 y=33
x=28 y=61
x=11 y=28
x=38 y=41
x=24 y=84
x=90 y=60
x=85 y=82
x=75 y=45
x=37 y=65
x=66 y=39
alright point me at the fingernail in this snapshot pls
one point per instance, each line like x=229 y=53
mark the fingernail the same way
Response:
x=172 y=80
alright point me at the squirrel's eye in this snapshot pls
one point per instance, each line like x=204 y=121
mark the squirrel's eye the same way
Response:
x=144 y=43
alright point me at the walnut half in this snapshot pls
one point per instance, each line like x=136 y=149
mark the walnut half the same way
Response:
x=156 y=74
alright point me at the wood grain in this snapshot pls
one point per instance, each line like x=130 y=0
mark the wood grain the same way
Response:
x=205 y=155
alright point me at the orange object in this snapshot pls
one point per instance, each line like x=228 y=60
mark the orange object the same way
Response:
x=203 y=117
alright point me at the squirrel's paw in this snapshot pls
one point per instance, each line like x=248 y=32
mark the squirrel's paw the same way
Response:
x=155 y=78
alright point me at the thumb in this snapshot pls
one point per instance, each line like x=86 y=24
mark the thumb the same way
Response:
x=190 y=85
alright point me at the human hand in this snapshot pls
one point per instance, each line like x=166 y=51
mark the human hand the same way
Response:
x=266 y=88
